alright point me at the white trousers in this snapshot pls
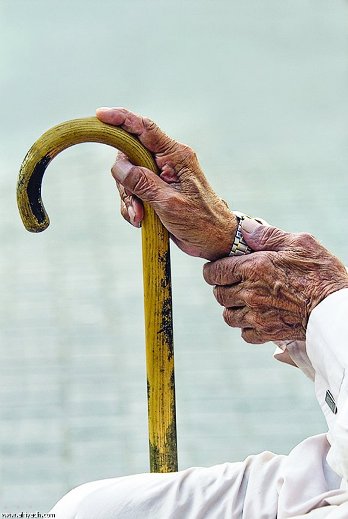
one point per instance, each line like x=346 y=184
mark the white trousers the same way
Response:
x=264 y=486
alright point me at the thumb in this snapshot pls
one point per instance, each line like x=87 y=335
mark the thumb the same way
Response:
x=263 y=237
x=142 y=182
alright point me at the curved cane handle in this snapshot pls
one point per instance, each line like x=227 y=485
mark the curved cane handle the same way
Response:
x=57 y=139
x=156 y=270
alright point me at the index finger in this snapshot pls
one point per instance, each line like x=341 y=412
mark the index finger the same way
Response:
x=225 y=271
x=149 y=134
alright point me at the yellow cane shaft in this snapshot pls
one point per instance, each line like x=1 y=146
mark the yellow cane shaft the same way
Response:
x=156 y=270
x=159 y=345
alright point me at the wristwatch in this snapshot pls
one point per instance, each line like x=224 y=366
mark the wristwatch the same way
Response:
x=239 y=246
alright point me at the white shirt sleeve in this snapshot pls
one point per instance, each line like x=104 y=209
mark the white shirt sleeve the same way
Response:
x=327 y=349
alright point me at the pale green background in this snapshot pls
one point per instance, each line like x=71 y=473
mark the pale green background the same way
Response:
x=260 y=91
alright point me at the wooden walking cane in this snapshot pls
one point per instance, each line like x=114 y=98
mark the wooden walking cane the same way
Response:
x=156 y=270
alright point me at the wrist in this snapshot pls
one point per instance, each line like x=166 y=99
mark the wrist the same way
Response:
x=224 y=234
x=228 y=237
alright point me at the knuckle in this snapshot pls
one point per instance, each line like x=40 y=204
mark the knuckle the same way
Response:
x=305 y=239
x=138 y=180
x=234 y=317
x=248 y=335
x=187 y=152
x=124 y=197
x=251 y=336
x=271 y=235
x=207 y=272
x=210 y=273
x=221 y=272
x=227 y=316
x=164 y=144
x=124 y=212
x=149 y=124
x=219 y=292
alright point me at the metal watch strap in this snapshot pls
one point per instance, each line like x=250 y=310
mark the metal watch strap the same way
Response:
x=239 y=246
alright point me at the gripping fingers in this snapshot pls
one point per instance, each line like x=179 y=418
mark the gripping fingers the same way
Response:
x=230 y=296
x=132 y=208
x=243 y=318
x=252 y=336
x=236 y=317
x=226 y=271
x=149 y=134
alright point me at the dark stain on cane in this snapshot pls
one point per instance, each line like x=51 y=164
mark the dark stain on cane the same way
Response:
x=148 y=389
x=34 y=188
x=164 y=259
x=167 y=325
x=172 y=384
x=171 y=437
x=166 y=311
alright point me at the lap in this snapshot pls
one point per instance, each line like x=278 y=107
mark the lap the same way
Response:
x=263 y=486
x=221 y=491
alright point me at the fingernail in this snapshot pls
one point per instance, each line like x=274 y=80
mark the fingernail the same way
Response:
x=131 y=214
x=103 y=109
x=120 y=169
x=109 y=108
x=249 y=225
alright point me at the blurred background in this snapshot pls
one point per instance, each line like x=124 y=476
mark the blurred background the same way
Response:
x=260 y=91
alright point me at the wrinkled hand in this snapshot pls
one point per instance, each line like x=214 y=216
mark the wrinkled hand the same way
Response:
x=198 y=221
x=270 y=294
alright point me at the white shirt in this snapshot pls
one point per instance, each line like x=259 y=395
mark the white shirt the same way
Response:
x=311 y=482
x=324 y=359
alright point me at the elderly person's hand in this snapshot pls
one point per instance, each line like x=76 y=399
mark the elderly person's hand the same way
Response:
x=270 y=294
x=198 y=221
